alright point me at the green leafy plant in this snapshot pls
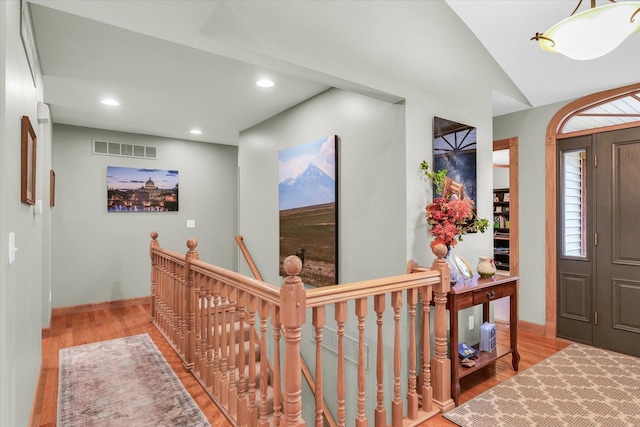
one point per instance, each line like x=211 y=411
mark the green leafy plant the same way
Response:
x=436 y=177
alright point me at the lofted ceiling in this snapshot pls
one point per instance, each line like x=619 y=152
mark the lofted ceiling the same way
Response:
x=176 y=65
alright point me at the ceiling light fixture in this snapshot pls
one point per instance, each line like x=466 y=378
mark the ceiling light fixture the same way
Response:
x=265 y=83
x=196 y=131
x=594 y=32
x=109 y=101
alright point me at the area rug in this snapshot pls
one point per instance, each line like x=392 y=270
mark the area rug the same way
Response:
x=578 y=386
x=122 y=382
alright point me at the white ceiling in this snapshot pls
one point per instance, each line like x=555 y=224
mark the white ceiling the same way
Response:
x=176 y=65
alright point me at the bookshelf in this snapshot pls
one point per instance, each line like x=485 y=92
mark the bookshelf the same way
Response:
x=501 y=237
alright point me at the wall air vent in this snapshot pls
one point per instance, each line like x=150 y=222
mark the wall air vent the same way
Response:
x=109 y=148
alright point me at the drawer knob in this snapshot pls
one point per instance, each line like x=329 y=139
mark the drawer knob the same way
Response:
x=491 y=294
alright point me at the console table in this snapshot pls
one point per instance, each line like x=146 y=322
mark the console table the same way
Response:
x=477 y=291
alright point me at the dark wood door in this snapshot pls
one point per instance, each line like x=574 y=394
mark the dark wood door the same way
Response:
x=618 y=245
x=576 y=251
x=599 y=240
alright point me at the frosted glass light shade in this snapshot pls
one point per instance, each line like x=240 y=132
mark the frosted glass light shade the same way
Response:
x=594 y=32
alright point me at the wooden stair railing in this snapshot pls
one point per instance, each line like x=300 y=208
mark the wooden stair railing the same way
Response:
x=193 y=302
x=328 y=417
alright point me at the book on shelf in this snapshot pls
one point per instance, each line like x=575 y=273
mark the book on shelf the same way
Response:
x=499 y=221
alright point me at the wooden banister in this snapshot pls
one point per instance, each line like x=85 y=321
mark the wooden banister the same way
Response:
x=217 y=321
x=248 y=258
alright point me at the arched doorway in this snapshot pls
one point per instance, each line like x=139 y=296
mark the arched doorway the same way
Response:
x=564 y=124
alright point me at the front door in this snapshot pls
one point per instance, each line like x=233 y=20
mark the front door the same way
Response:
x=599 y=240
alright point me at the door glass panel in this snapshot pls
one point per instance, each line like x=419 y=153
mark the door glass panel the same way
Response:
x=574 y=206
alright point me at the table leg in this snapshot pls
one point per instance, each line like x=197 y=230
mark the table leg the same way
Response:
x=513 y=327
x=453 y=354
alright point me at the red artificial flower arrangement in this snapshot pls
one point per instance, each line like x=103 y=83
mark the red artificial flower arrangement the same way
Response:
x=452 y=217
x=449 y=220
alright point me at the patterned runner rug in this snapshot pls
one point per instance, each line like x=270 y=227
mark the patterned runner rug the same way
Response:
x=122 y=382
x=578 y=386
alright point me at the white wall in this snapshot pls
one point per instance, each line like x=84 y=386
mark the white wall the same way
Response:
x=500 y=177
x=103 y=256
x=370 y=184
x=530 y=127
x=21 y=283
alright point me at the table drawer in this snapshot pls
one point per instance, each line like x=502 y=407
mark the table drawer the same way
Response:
x=482 y=296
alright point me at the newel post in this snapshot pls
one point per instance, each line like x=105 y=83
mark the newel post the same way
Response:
x=191 y=302
x=154 y=275
x=441 y=363
x=292 y=316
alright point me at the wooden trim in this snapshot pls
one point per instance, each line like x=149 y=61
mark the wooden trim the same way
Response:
x=95 y=306
x=46 y=333
x=553 y=134
x=512 y=145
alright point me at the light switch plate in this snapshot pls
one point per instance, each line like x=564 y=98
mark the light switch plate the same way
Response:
x=191 y=223
x=12 y=247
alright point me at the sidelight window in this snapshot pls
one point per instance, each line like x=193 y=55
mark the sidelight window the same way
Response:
x=574 y=205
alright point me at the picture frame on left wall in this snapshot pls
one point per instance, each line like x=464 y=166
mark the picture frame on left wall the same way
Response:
x=28 y=169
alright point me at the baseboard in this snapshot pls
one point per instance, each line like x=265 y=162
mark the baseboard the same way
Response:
x=86 y=308
x=531 y=327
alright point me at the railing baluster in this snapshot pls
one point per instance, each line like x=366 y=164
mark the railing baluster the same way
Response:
x=341 y=317
x=242 y=392
x=217 y=345
x=264 y=364
x=251 y=319
x=412 y=396
x=380 y=413
x=427 y=391
x=396 y=405
x=154 y=275
x=361 y=312
x=201 y=325
x=318 y=324
x=276 y=387
x=210 y=333
x=224 y=346
x=233 y=387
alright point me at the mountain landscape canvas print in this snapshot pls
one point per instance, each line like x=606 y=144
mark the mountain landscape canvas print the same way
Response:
x=308 y=195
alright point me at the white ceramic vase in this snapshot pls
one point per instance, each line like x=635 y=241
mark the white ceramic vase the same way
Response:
x=486 y=267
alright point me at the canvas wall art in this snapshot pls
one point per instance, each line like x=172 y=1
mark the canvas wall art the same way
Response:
x=454 y=149
x=308 y=206
x=141 y=190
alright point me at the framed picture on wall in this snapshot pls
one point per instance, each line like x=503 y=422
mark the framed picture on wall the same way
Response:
x=28 y=169
x=454 y=149
x=308 y=206
x=141 y=190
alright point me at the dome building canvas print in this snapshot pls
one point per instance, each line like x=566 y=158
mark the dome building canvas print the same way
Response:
x=141 y=190
x=308 y=195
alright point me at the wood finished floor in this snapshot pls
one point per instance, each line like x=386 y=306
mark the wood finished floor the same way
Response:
x=84 y=328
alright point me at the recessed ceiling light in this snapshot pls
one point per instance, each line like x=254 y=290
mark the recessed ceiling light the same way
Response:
x=109 y=101
x=265 y=83
x=196 y=131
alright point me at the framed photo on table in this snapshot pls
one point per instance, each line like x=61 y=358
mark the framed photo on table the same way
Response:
x=28 y=175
